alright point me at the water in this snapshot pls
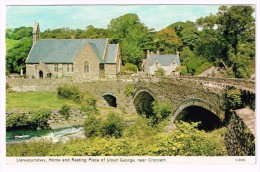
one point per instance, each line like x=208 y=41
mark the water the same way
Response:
x=63 y=134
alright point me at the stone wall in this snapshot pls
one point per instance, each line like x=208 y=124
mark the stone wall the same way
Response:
x=240 y=138
x=76 y=118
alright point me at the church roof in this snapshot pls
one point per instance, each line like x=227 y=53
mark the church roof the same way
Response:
x=164 y=60
x=64 y=50
x=112 y=50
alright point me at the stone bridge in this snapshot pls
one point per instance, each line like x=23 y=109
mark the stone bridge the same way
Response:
x=137 y=95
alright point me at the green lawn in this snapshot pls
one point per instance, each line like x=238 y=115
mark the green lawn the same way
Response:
x=31 y=101
x=10 y=43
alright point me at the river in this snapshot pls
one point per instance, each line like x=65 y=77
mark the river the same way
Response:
x=63 y=135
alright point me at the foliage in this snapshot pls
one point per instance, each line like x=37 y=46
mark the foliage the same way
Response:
x=203 y=67
x=91 y=101
x=65 y=111
x=186 y=140
x=187 y=32
x=31 y=120
x=183 y=70
x=92 y=126
x=168 y=41
x=159 y=72
x=19 y=33
x=129 y=88
x=130 y=33
x=161 y=110
x=129 y=67
x=70 y=92
x=233 y=98
x=10 y=43
x=112 y=126
x=194 y=63
x=16 y=56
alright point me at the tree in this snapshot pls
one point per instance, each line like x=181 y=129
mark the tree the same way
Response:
x=211 y=45
x=187 y=32
x=131 y=34
x=169 y=42
x=16 y=56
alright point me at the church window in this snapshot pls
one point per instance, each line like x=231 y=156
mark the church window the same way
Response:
x=56 y=68
x=86 y=67
x=68 y=68
x=72 y=68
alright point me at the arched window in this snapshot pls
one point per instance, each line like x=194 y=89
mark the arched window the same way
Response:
x=156 y=64
x=86 y=67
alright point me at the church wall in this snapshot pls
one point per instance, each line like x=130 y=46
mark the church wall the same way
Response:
x=110 y=70
x=86 y=55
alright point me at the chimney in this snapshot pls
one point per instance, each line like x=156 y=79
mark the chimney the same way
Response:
x=158 y=52
x=148 y=54
x=177 y=54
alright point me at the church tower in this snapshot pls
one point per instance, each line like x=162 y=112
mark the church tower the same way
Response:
x=36 y=32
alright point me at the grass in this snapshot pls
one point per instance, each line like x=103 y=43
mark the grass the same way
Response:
x=10 y=43
x=30 y=101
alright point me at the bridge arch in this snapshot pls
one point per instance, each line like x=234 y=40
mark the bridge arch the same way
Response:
x=198 y=110
x=110 y=98
x=142 y=100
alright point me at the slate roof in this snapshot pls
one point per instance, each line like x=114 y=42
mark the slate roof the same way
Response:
x=64 y=50
x=111 y=53
x=164 y=60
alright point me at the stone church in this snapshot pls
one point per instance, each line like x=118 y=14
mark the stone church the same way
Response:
x=75 y=58
x=167 y=62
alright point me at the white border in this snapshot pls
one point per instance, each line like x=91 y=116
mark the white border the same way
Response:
x=83 y=167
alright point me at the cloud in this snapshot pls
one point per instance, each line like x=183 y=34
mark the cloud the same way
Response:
x=153 y=16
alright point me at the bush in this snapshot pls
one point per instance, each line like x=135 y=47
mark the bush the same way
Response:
x=65 y=111
x=31 y=120
x=38 y=120
x=92 y=126
x=161 y=110
x=129 y=88
x=70 y=92
x=233 y=98
x=18 y=120
x=112 y=126
x=160 y=72
x=91 y=101
x=129 y=67
x=183 y=70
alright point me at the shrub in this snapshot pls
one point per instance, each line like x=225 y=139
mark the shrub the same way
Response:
x=70 y=92
x=183 y=70
x=129 y=67
x=31 y=120
x=38 y=120
x=65 y=111
x=18 y=120
x=91 y=101
x=92 y=126
x=161 y=110
x=233 y=98
x=129 y=88
x=160 y=72
x=112 y=126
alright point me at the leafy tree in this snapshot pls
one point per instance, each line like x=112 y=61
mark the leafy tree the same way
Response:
x=211 y=45
x=160 y=72
x=187 y=32
x=233 y=98
x=19 y=33
x=131 y=34
x=168 y=41
x=16 y=56
x=92 y=126
x=186 y=55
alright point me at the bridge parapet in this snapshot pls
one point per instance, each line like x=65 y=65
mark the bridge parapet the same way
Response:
x=243 y=84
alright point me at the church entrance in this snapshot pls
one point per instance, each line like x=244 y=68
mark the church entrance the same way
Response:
x=40 y=74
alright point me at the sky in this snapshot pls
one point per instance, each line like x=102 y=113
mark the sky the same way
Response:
x=78 y=17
